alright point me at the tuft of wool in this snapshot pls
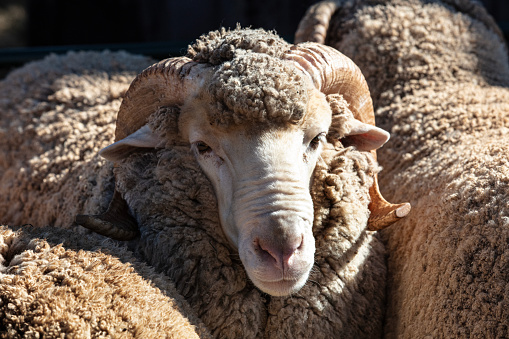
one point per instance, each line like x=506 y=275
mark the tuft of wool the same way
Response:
x=56 y=114
x=181 y=237
x=216 y=47
x=439 y=73
x=341 y=116
x=49 y=289
x=257 y=88
x=251 y=82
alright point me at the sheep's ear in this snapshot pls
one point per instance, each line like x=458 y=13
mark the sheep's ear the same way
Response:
x=142 y=138
x=364 y=136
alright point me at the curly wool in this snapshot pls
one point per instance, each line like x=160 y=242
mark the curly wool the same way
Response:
x=216 y=47
x=56 y=114
x=439 y=73
x=251 y=83
x=341 y=115
x=50 y=289
x=175 y=206
x=257 y=88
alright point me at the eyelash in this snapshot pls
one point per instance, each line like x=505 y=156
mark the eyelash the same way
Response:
x=316 y=141
x=202 y=147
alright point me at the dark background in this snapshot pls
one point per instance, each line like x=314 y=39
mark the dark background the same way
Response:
x=159 y=28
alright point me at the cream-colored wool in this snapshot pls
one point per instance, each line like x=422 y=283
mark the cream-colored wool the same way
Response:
x=56 y=115
x=216 y=47
x=54 y=290
x=252 y=83
x=439 y=74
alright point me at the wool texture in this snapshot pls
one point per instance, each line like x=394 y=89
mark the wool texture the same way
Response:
x=252 y=83
x=439 y=75
x=51 y=290
x=56 y=114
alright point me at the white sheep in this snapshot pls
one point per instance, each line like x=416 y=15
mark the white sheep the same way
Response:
x=175 y=206
x=254 y=112
x=439 y=73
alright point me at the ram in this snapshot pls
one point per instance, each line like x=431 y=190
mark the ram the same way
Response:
x=439 y=73
x=247 y=117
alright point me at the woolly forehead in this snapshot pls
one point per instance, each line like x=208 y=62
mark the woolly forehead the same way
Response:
x=315 y=113
x=255 y=87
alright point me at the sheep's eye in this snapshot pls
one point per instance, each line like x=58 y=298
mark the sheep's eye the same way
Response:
x=316 y=141
x=202 y=147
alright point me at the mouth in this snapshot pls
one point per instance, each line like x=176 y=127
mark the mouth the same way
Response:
x=281 y=288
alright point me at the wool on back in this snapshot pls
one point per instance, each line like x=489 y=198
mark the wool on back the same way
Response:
x=54 y=283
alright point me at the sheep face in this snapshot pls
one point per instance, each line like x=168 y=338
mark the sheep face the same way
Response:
x=261 y=178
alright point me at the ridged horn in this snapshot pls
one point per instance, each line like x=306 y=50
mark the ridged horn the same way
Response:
x=166 y=83
x=315 y=23
x=332 y=72
x=115 y=223
x=383 y=213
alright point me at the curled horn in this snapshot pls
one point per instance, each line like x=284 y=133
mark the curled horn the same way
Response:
x=166 y=83
x=315 y=23
x=332 y=73
x=115 y=223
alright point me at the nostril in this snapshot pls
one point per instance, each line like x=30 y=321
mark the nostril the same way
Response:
x=264 y=250
x=301 y=244
x=290 y=251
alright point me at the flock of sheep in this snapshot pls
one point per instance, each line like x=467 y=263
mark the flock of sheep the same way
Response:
x=240 y=196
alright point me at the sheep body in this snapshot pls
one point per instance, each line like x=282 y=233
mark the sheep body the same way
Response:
x=56 y=115
x=439 y=74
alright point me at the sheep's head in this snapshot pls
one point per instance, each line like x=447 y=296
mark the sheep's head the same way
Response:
x=256 y=117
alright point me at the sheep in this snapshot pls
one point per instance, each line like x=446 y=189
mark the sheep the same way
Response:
x=251 y=112
x=54 y=289
x=174 y=203
x=438 y=72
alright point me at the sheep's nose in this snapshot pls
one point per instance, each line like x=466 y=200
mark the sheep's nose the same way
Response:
x=280 y=252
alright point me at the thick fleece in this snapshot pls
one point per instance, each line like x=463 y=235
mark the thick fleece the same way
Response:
x=181 y=236
x=56 y=114
x=439 y=74
x=252 y=83
x=54 y=290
